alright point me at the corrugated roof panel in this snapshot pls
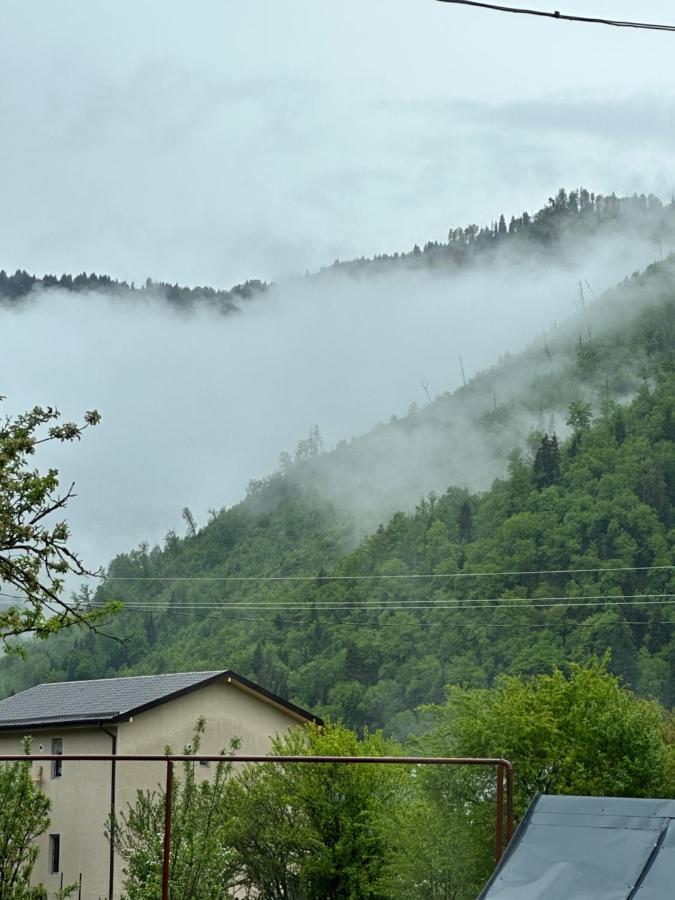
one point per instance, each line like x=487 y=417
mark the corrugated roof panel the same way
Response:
x=589 y=848
x=659 y=881
x=100 y=699
x=621 y=806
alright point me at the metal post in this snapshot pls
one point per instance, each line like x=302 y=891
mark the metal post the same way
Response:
x=167 y=829
x=503 y=766
x=499 y=831
x=509 y=801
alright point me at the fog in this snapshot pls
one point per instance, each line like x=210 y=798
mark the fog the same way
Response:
x=215 y=142
x=195 y=405
x=219 y=141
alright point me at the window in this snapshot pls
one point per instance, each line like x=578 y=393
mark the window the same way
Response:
x=54 y=853
x=57 y=764
x=204 y=763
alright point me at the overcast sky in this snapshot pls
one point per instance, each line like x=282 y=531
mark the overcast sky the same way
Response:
x=211 y=142
x=214 y=141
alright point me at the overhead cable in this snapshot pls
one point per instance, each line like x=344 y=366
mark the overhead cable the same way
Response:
x=382 y=576
x=417 y=624
x=556 y=14
x=523 y=603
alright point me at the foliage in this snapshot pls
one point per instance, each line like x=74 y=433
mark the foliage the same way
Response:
x=24 y=816
x=546 y=466
x=581 y=529
x=308 y=832
x=275 y=832
x=35 y=553
x=581 y=732
x=432 y=855
x=595 y=516
x=201 y=864
x=370 y=651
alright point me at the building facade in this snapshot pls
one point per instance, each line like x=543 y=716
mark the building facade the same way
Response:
x=118 y=716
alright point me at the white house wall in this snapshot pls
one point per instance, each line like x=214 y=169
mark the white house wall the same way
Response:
x=81 y=797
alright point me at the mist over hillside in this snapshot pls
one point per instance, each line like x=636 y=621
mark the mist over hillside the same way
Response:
x=569 y=553
x=465 y=437
x=337 y=350
x=197 y=404
x=305 y=585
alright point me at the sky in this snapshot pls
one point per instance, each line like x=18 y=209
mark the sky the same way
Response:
x=211 y=142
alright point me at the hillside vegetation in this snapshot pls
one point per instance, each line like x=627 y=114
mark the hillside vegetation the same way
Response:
x=557 y=562
x=579 y=215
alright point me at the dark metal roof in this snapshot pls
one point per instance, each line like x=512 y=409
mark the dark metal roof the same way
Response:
x=114 y=699
x=589 y=848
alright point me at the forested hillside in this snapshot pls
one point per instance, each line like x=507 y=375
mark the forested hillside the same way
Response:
x=17 y=288
x=559 y=561
x=599 y=355
x=579 y=213
x=566 y=220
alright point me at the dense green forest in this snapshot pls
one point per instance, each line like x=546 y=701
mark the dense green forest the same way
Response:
x=559 y=561
x=532 y=619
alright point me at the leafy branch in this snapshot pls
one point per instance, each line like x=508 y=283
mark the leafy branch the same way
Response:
x=35 y=551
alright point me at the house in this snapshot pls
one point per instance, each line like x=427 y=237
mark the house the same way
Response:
x=589 y=848
x=136 y=715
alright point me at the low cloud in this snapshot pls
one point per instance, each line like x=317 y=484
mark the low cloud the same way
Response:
x=184 y=176
x=194 y=406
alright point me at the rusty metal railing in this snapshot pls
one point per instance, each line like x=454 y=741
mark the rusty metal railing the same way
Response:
x=503 y=768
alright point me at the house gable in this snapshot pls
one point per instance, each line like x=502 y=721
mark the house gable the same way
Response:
x=115 y=700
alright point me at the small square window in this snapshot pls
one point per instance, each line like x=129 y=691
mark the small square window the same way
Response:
x=57 y=764
x=204 y=763
x=54 y=853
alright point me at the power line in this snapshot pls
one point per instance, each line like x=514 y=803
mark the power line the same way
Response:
x=585 y=624
x=385 y=576
x=409 y=576
x=418 y=624
x=588 y=20
x=523 y=603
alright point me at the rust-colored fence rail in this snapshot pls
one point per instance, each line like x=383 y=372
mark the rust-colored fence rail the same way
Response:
x=503 y=769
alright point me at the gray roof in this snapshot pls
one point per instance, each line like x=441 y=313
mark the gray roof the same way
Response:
x=112 y=699
x=589 y=848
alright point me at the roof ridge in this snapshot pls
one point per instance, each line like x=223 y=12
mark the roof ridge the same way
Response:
x=116 y=699
x=124 y=678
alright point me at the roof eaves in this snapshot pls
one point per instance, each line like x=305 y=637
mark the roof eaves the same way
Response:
x=44 y=724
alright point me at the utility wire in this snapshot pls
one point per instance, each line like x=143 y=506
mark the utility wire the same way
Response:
x=413 y=601
x=588 y=20
x=524 y=603
x=476 y=625
x=418 y=624
x=384 y=576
